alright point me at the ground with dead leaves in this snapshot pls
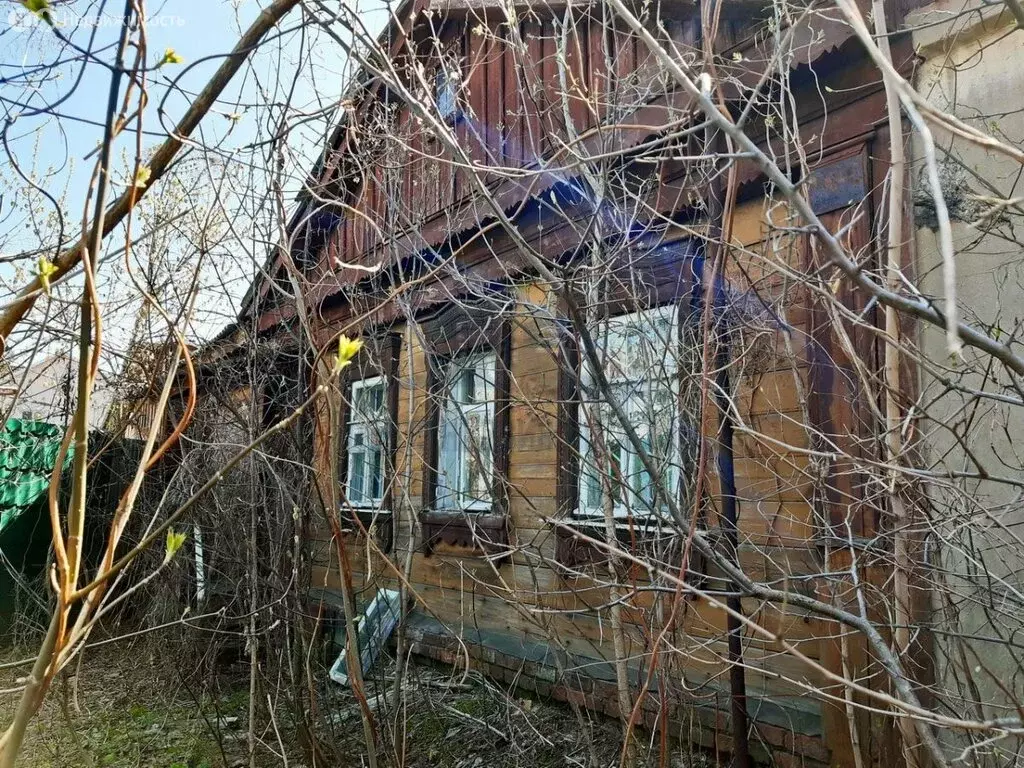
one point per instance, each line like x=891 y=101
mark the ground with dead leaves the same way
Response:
x=131 y=705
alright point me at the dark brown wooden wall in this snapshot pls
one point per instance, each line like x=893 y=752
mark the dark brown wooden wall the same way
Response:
x=515 y=114
x=792 y=387
x=798 y=389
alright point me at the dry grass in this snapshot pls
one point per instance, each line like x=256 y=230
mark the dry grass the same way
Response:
x=131 y=706
x=125 y=706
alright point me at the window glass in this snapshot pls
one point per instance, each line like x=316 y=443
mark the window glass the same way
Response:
x=368 y=428
x=446 y=86
x=639 y=355
x=465 y=434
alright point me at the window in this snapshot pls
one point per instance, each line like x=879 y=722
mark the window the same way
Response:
x=446 y=92
x=467 y=437
x=639 y=355
x=465 y=434
x=368 y=430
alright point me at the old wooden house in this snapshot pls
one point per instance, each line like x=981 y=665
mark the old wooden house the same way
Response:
x=583 y=316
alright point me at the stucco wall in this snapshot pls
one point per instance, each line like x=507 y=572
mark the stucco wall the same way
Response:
x=972 y=67
x=48 y=393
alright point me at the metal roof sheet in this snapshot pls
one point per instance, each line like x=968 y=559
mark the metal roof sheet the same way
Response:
x=28 y=451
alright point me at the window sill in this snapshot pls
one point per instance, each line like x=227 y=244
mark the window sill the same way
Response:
x=643 y=538
x=480 y=531
x=647 y=523
x=366 y=509
x=380 y=522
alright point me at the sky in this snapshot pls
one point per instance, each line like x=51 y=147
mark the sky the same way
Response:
x=55 y=146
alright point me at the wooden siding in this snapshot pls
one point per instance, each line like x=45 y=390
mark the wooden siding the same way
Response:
x=519 y=109
x=776 y=526
x=786 y=509
x=792 y=380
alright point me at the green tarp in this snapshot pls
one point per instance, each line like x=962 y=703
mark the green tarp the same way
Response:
x=28 y=450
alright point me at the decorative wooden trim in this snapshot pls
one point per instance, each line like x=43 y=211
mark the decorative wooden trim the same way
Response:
x=502 y=419
x=478 y=531
x=567 y=427
x=392 y=377
x=838 y=183
x=455 y=332
x=838 y=405
x=640 y=279
x=462 y=329
x=430 y=431
x=345 y=380
x=647 y=541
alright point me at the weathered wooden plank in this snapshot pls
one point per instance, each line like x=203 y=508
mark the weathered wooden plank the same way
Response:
x=779 y=523
x=773 y=392
x=476 y=84
x=552 y=124
x=512 y=108
x=531 y=94
x=494 y=135
x=576 y=90
x=625 y=47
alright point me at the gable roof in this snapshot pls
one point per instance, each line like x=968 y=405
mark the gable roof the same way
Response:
x=813 y=37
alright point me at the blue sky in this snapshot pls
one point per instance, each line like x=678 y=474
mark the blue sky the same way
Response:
x=301 y=67
x=194 y=29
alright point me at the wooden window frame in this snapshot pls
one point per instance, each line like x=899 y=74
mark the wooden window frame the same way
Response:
x=368 y=365
x=451 y=334
x=449 y=75
x=446 y=92
x=365 y=424
x=672 y=313
x=639 y=534
x=455 y=414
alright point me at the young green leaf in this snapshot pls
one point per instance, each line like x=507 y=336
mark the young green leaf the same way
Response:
x=46 y=268
x=174 y=542
x=40 y=8
x=171 y=57
x=347 y=349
